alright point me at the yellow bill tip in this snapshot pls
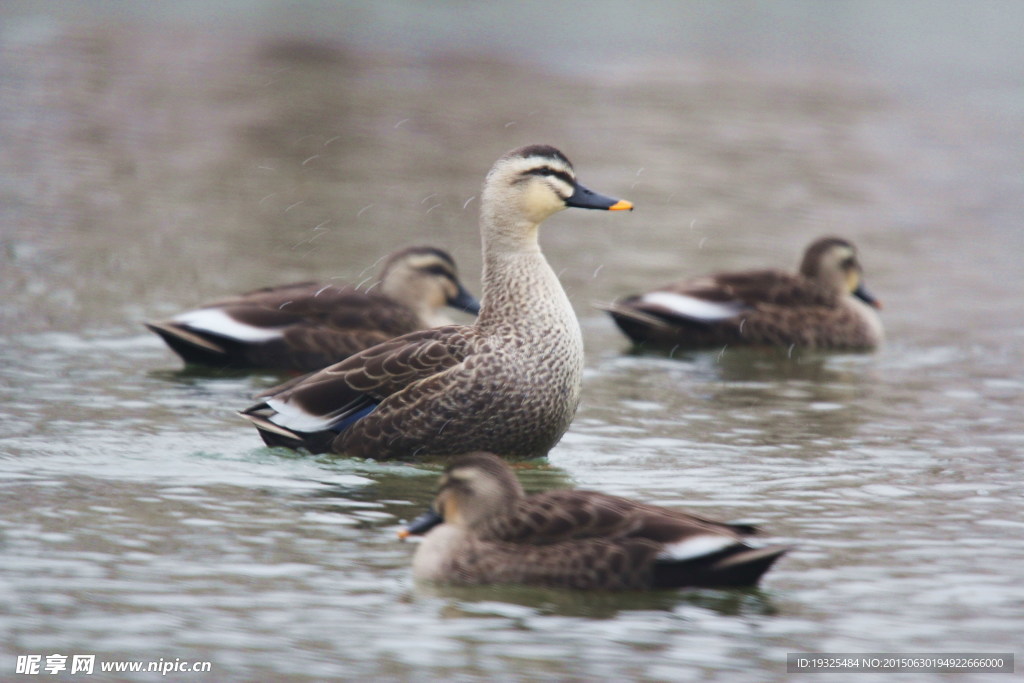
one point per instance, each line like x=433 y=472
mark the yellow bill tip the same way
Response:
x=621 y=205
x=403 y=534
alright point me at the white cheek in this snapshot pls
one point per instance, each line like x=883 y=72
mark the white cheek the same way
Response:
x=216 y=321
x=539 y=201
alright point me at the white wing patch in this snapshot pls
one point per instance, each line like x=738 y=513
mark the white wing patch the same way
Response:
x=294 y=417
x=216 y=321
x=692 y=307
x=696 y=546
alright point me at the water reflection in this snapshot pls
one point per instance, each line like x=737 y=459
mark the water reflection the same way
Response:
x=399 y=491
x=506 y=601
x=762 y=397
x=765 y=364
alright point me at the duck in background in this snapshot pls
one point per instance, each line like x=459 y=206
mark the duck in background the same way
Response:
x=306 y=326
x=483 y=529
x=823 y=306
x=510 y=383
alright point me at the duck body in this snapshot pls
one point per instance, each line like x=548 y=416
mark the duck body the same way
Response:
x=823 y=306
x=484 y=530
x=510 y=383
x=306 y=326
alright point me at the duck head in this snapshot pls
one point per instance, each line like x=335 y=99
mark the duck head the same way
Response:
x=833 y=262
x=426 y=279
x=471 y=490
x=536 y=181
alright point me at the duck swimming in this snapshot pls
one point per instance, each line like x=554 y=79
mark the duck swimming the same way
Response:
x=510 y=383
x=306 y=326
x=823 y=306
x=483 y=529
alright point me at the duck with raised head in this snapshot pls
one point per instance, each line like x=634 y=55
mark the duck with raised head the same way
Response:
x=823 y=306
x=483 y=529
x=510 y=383
x=306 y=326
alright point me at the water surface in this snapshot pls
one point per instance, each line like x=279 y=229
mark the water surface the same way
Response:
x=149 y=163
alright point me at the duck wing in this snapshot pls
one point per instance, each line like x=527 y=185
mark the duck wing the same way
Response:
x=590 y=540
x=344 y=325
x=716 y=298
x=557 y=516
x=753 y=288
x=621 y=564
x=303 y=325
x=337 y=395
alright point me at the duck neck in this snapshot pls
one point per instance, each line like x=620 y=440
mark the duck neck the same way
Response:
x=519 y=286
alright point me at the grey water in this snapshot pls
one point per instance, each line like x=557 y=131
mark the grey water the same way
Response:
x=151 y=159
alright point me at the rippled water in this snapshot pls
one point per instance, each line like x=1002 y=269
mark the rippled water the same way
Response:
x=147 y=166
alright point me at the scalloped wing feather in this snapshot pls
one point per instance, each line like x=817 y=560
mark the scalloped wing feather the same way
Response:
x=557 y=516
x=328 y=396
x=754 y=288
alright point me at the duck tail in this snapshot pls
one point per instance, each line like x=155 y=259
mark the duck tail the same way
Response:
x=193 y=347
x=622 y=310
x=276 y=435
x=638 y=325
x=733 y=567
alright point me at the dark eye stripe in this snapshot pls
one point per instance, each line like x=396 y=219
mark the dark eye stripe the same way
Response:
x=548 y=171
x=438 y=270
